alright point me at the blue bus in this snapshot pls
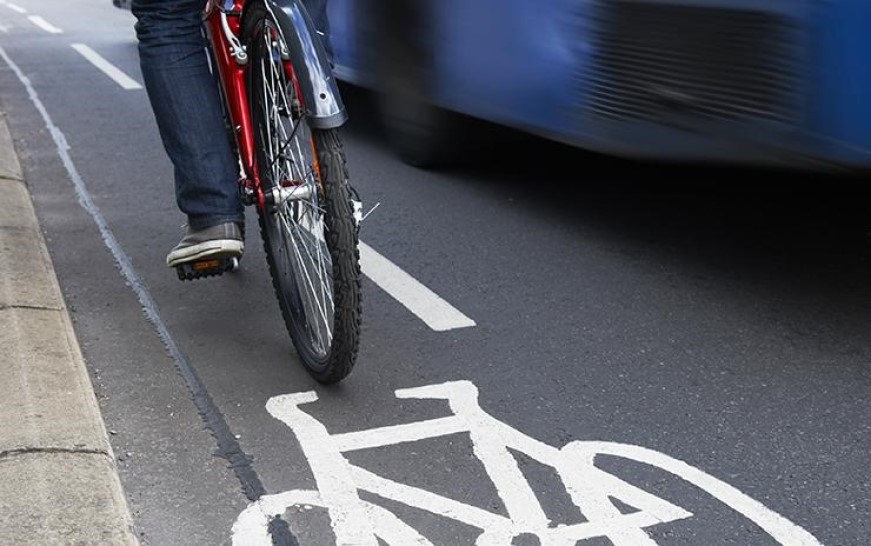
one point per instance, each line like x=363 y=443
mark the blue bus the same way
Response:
x=784 y=82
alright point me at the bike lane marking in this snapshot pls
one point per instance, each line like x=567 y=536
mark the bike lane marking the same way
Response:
x=356 y=522
x=116 y=74
x=428 y=306
x=43 y=24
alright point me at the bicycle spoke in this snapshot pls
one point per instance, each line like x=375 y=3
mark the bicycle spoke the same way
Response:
x=301 y=256
x=322 y=274
x=311 y=294
x=289 y=241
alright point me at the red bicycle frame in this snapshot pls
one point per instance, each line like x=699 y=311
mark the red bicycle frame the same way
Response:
x=231 y=73
x=223 y=23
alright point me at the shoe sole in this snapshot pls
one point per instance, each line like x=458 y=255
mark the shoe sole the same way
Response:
x=206 y=249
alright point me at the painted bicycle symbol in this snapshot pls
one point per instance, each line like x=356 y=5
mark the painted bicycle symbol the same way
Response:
x=359 y=523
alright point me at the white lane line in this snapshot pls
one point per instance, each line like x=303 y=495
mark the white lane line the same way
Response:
x=108 y=68
x=420 y=300
x=4 y=28
x=13 y=7
x=43 y=24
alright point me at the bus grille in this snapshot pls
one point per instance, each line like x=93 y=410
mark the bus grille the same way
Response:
x=656 y=60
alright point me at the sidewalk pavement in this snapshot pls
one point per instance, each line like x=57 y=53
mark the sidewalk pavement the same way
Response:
x=58 y=481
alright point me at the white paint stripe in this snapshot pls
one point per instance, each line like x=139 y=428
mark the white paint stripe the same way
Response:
x=491 y=448
x=118 y=76
x=331 y=471
x=482 y=519
x=392 y=530
x=591 y=490
x=571 y=534
x=13 y=7
x=43 y=24
x=252 y=526
x=780 y=528
x=4 y=28
x=420 y=300
x=426 y=500
x=411 y=432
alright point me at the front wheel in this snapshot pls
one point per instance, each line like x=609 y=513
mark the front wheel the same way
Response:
x=311 y=242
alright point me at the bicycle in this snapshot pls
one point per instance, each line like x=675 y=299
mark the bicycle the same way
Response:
x=282 y=108
x=357 y=522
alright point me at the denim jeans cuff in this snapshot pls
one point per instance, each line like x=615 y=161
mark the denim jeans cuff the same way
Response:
x=202 y=222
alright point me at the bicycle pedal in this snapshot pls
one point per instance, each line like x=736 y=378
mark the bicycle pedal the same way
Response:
x=208 y=267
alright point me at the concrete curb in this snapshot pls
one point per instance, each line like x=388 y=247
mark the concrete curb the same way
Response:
x=58 y=479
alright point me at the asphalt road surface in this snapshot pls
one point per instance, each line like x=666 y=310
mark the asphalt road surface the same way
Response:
x=704 y=330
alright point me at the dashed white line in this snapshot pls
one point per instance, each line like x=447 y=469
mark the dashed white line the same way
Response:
x=420 y=300
x=13 y=7
x=118 y=76
x=43 y=24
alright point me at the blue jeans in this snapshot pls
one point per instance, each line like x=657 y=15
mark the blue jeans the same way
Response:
x=187 y=107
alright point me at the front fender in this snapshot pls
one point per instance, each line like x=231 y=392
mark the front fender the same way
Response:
x=320 y=92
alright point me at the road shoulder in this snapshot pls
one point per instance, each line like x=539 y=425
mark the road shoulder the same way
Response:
x=58 y=479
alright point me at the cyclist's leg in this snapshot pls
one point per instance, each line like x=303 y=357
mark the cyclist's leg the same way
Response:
x=187 y=108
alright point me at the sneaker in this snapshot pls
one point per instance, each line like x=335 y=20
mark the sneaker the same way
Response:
x=224 y=240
